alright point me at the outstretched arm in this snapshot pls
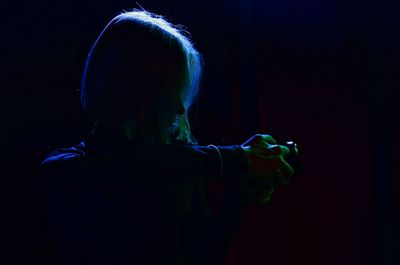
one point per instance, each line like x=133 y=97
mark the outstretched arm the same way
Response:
x=267 y=169
x=160 y=161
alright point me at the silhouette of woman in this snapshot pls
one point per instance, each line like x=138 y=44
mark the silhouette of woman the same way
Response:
x=132 y=191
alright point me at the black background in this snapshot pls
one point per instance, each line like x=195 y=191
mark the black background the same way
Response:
x=322 y=73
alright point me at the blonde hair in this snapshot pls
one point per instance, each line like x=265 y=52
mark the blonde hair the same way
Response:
x=114 y=74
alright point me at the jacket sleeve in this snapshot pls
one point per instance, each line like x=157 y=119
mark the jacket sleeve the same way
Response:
x=156 y=160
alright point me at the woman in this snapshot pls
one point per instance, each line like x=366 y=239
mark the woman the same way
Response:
x=132 y=192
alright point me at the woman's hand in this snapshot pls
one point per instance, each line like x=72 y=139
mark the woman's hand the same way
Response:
x=267 y=167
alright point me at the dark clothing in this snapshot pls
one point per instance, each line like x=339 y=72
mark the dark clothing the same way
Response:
x=119 y=203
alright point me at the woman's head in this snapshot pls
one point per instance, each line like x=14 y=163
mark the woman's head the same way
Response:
x=144 y=71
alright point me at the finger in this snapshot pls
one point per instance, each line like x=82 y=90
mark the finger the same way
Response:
x=286 y=173
x=268 y=138
x=260 y=139
x=265 y=198
x=287 y=169
x=263 y=201
x=276 y=150
x=253 y=139
x=258 y=194
x=271 y=151
x=280 y=178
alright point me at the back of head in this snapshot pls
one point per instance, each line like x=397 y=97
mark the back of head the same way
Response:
x=143 y=70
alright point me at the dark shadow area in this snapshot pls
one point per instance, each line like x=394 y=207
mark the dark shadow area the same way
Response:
x=322 y=73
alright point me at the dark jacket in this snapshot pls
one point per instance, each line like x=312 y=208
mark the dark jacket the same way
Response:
x=132 y=203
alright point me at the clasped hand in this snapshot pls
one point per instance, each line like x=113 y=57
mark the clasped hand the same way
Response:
x=267 y=168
